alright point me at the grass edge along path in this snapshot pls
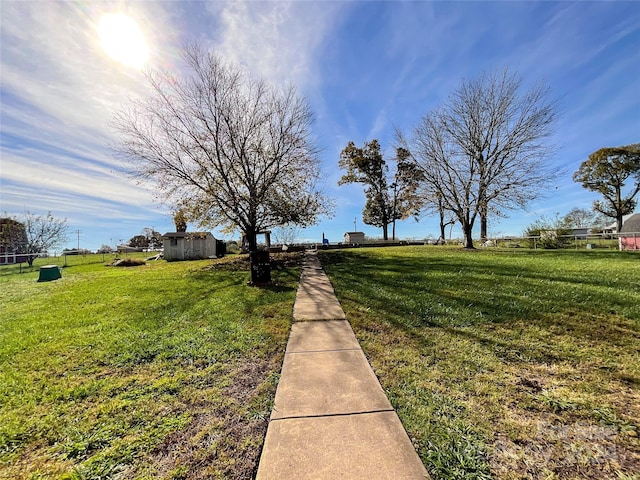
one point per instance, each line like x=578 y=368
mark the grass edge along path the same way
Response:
x=503 y=365
x=166 y=370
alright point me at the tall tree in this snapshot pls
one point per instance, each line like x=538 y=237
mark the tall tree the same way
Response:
x=405 y=200
x=366 y=165
x=154 y=238
x=389 y=198
x=235 y=152
x=138 y=241
x=180 y=220
x=607 y=171
x=485 y=149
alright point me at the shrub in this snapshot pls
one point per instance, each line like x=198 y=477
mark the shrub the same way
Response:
x=548 y=233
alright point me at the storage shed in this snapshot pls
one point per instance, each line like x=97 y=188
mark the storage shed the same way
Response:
x=630 y=233
x=354 y=237
x=189 y=245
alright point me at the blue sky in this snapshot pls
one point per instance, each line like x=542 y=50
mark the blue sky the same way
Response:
x=365 y=68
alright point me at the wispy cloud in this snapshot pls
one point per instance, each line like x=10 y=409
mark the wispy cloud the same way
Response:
x=275 y=40
x=365 y=67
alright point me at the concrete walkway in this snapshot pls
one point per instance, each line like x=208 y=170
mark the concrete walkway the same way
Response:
x=331 y=418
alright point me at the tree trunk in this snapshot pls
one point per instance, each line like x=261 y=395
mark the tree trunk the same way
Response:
x=251 y=237
x=483 y=213
x=393 y=231
x=442 y=229
x=483 y=225
x=467 y=231
x=385 y=231
x=468 y=239
x=619 y=223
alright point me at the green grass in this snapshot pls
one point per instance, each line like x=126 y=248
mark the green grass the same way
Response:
x=523 y=364
x=165 y=370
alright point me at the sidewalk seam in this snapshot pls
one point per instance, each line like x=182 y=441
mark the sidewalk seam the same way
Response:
x=329 y=415
x=325 y=351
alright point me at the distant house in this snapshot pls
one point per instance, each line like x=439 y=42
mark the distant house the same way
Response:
x=189 y=245
x=613 y=227
x=629 y=237
x=581 y=233
x=354 y=237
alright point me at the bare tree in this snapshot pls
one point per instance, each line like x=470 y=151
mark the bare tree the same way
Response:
x=580 y=218
x=234 y=152
x=433 y=203
x=32 y=234
x=286 y=234
x=485 y=149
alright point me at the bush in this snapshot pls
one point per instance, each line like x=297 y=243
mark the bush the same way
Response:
x=232 y=247
x=548 y=233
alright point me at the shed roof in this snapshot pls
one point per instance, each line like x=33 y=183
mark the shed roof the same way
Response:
x=632 y=224
x=187 y=235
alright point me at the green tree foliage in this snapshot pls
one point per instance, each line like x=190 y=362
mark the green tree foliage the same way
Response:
x=105 y=249
x=154 y=238
x=138 y=241
x=180 y=220
x=607 y=171
x=13 y=236
x=388 y=198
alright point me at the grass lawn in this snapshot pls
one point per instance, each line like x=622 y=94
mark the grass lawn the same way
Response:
x=512 y=365
x=166 y=370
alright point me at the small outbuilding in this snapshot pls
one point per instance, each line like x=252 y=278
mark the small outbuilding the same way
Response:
x=629 y=237
x=189 y=245
x=354 y=237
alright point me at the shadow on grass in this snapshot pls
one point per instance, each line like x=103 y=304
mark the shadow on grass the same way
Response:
x=449 y=331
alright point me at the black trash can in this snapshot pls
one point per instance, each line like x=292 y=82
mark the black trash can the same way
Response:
x=260 y=267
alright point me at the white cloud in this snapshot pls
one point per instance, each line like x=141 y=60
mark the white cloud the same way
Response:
x=275 y=40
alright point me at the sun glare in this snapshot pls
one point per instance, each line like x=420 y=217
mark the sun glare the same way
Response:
x=122 y=40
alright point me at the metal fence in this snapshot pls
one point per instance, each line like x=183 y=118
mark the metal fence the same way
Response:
x=602 y=241
x=19 y=261
x=592 y=241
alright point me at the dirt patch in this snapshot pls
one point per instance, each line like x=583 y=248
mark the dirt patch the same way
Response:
x=126 y=262
x=223 y=440
x=581 y=449
x=555 y=430
x=278 y=261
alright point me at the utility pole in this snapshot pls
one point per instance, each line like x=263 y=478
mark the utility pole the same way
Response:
x=78 y=233
x=355 y=229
